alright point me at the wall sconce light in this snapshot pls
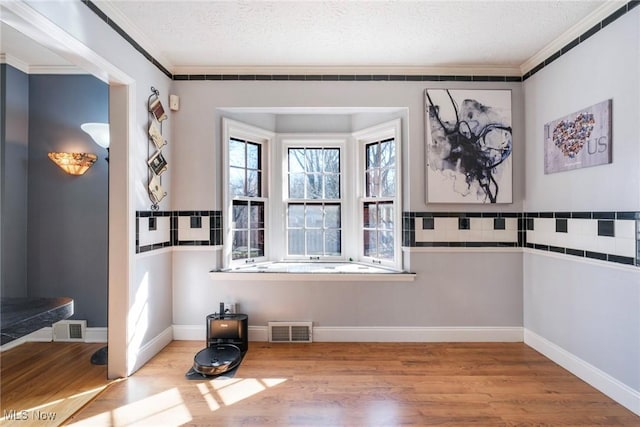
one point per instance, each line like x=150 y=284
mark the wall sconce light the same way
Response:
x=99 y=132
x=74 y=163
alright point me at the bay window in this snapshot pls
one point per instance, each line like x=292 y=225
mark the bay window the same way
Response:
x=333 y=197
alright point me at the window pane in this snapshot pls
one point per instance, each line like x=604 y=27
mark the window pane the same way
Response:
x=236 y=181
x=314 y=160
x=256 y=215
x=253 y=156
x=253 y=183
x=385 y=245
x=256 y=243
x=370 y=215
x=387 y=153
x=236 y=153
x=315 y=244
x=385 y=216
x=296 y=185
x=296 y=159
x=388 y=182
x=372 y=155
x=370 y=243
x=296 y=215
x=372 y=183
x=332 y=160
x=314 y=186
x=332 y=186
x=332 y=242
x=239 y=245
x=240 y=215
x=314 y=216
x=332 y=216
x=296 y=242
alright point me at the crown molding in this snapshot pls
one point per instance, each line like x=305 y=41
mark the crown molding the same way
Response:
x=571 y=34
x=56 y=69
x=114 y=14
x=39 y=69
x=17 y=63
x=351 y=70
x=38 y=27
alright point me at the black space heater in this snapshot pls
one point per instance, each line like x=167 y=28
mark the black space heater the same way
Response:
x=227 y=343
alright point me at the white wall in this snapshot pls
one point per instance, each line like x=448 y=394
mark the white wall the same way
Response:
x=465 y=288
x=589 y=309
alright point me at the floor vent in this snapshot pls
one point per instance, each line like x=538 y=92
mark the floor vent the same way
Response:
x=290 y=331
x=70 y=330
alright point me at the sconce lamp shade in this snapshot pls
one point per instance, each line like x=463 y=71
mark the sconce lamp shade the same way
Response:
x=73 y=163
x=99 y=132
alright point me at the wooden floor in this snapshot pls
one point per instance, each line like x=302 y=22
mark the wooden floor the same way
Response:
x=358 y=384
x=42 y=384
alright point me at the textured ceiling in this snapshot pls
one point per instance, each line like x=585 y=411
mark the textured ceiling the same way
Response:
x=504 y=37
x=203 y=35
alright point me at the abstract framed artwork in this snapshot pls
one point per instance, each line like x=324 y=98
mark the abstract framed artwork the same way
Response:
x=579 y=140
x=468 y=144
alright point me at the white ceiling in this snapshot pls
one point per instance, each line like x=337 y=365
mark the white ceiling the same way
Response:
x=505 y=37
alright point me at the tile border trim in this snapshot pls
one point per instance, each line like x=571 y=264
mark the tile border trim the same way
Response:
x=215 y=229
x=525 y=222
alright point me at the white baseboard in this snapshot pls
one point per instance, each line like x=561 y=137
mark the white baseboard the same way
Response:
x=46 y=335
x=41 y=335
x=377 y=334
x=618 y=391
x=417 y=334
x=150 y=349
x=96 y=335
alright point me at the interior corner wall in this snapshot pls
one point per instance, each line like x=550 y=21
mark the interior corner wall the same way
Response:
x=587 y=308
x=67 y=215
x=14 y=158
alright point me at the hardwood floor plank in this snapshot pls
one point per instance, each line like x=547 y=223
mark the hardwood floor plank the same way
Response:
x=52 y=380
x=353 y=384
x=359 y=384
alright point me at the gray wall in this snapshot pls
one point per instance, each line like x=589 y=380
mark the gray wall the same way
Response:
x=132 y=76
x=453 y=287
x=67 y=215
x=589 y=309
x=14 y=158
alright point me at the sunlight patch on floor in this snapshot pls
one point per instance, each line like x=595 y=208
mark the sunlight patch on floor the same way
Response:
x=165 y=408
x=67 y=401
x=103 y=419
x=169 y=408
x=233 y=390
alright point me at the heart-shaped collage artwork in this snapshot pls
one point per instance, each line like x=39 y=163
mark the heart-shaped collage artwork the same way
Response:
x=571 y=135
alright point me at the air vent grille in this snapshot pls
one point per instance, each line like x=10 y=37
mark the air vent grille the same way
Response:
x=69 y=330
x=290 y=331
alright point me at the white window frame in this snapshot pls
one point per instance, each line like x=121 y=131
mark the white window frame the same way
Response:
x=275 y=189
x=362 y=138
x=340 y=141
x=242 y=131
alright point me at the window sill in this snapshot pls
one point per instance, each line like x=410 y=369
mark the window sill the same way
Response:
x=317 y=272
